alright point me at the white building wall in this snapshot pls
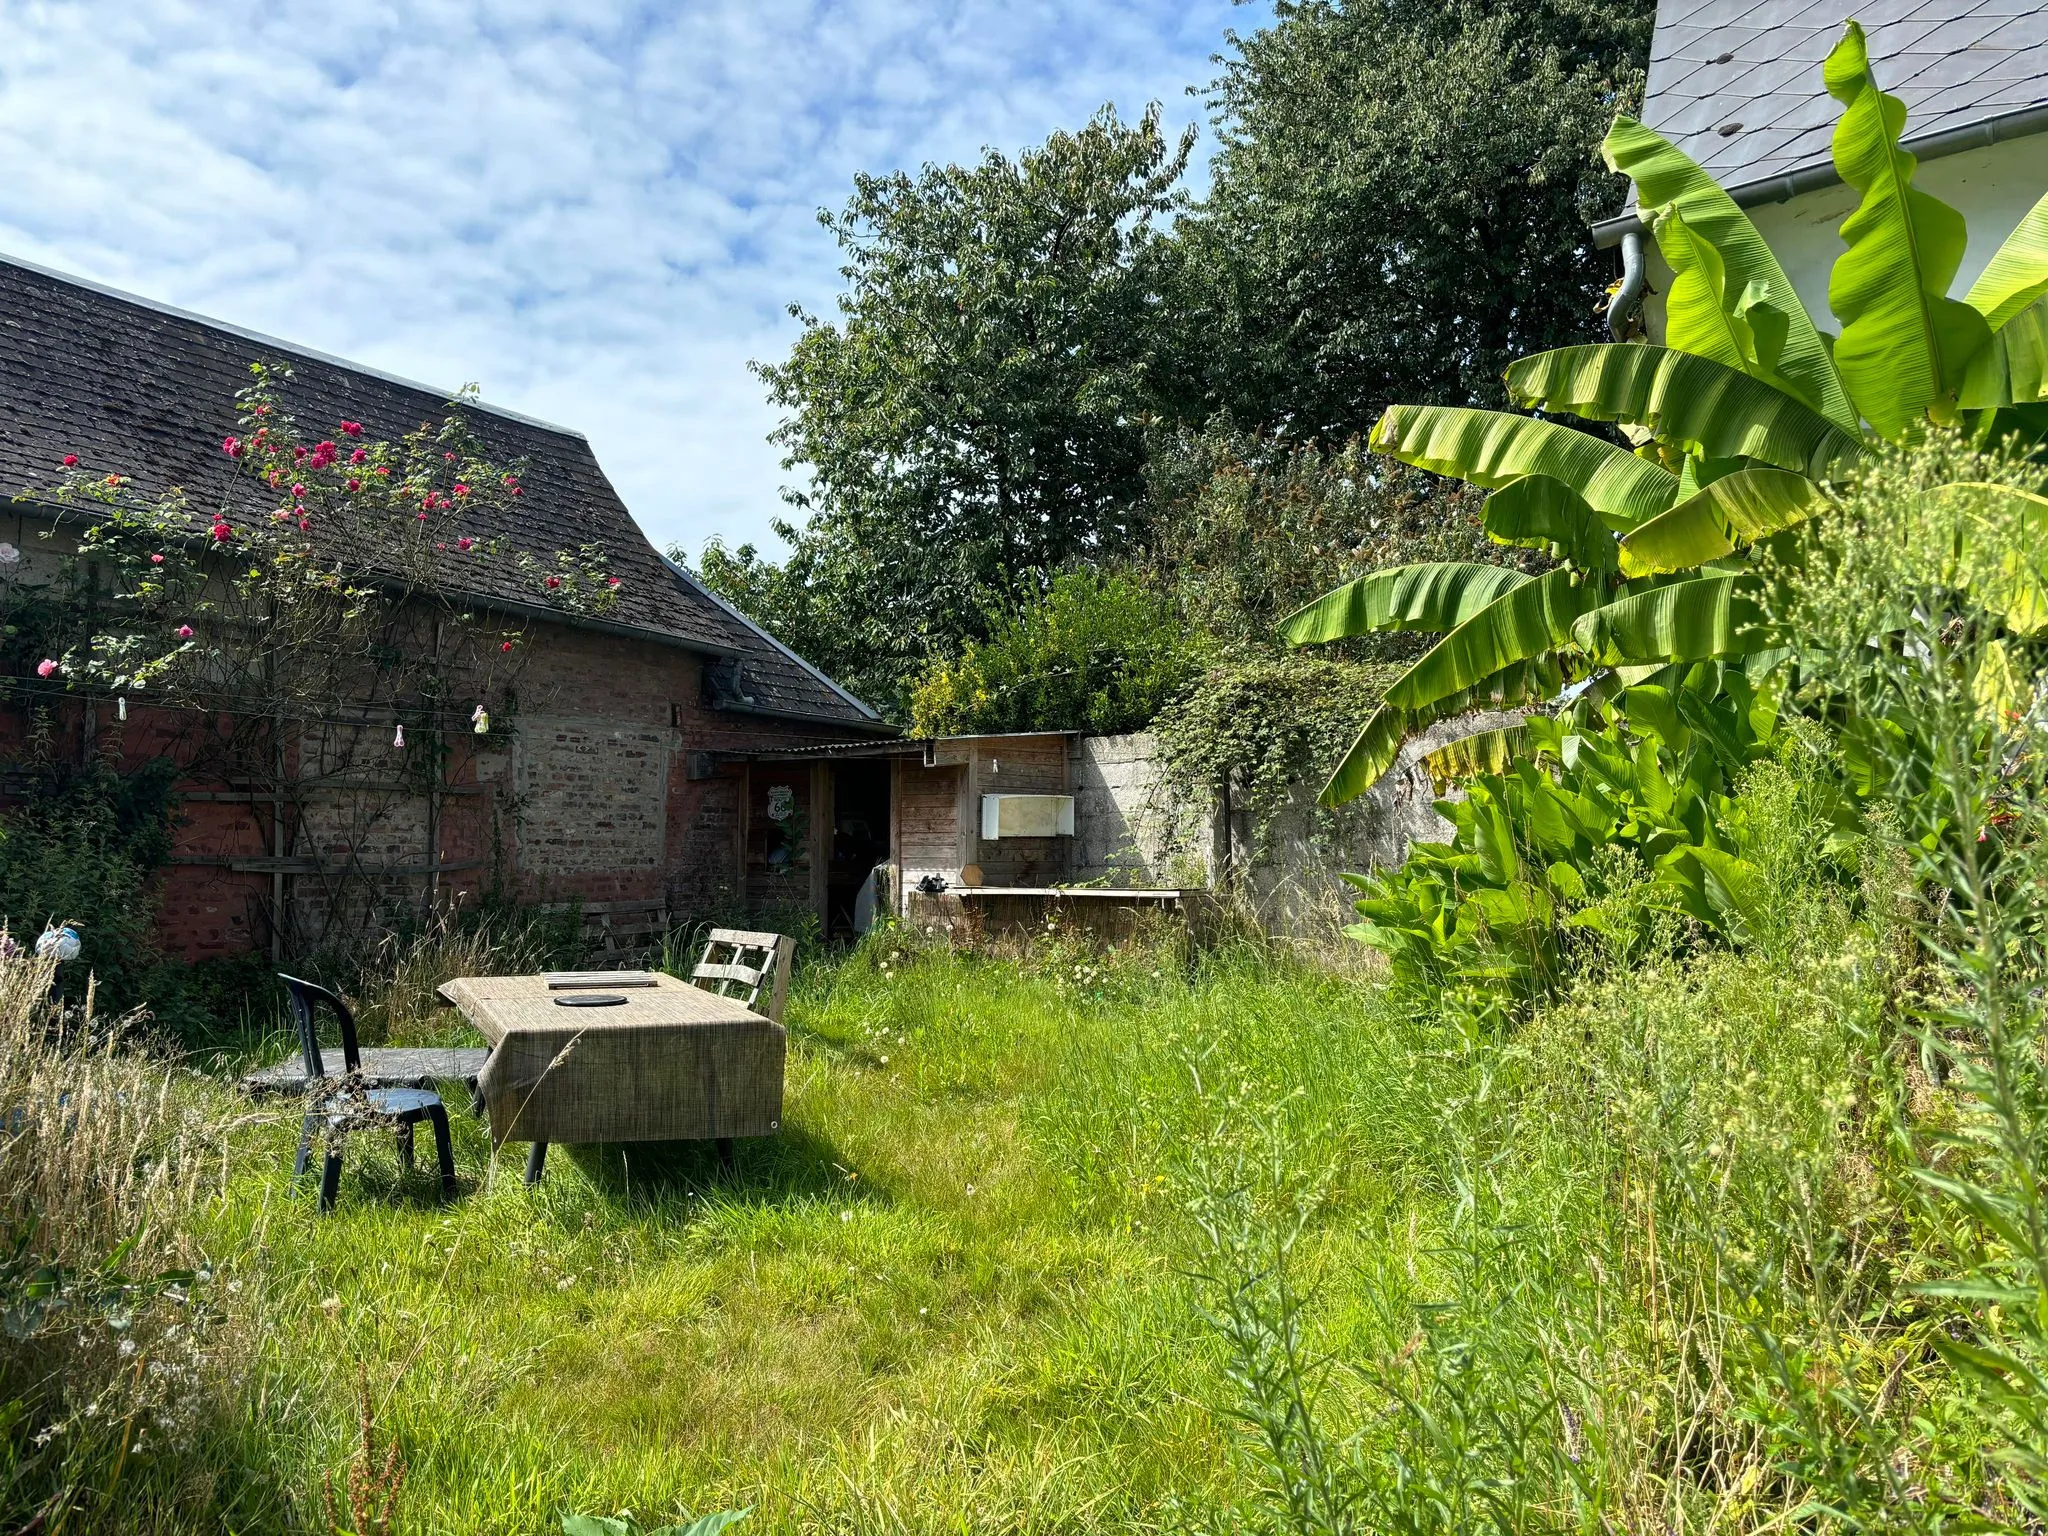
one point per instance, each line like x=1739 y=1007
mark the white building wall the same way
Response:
x=1992 y=188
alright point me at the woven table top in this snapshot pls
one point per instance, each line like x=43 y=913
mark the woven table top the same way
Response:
x=503 y=1005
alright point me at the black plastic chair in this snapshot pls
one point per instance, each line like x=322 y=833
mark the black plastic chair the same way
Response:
x=338 y=1101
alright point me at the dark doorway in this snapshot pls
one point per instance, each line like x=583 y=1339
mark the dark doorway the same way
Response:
x=860 y=837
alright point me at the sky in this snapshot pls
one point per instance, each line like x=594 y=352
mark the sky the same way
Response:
x=598 y=211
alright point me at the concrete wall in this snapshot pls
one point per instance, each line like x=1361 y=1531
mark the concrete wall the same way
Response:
x=1129 y=828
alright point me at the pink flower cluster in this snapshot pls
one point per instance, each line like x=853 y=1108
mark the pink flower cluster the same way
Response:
x=351 y=429
x=221 y=531
x=231 y=446
x=323 y=454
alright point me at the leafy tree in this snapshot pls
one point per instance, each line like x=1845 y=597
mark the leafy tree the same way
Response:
x=1096 y=653
x=1400 y=204
x=976 y=417
x=1745 y=419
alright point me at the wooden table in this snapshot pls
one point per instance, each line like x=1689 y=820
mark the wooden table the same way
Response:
x=670 y=1063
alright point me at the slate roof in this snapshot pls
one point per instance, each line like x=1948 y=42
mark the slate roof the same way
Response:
x=1736 y=83
x=144 y=389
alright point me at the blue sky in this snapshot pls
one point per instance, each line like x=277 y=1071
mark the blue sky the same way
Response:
x=598 y=211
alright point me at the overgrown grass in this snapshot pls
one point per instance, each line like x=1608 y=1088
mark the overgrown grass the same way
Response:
x=1145 y=1241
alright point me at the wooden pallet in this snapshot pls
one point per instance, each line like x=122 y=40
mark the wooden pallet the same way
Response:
x=621 y=929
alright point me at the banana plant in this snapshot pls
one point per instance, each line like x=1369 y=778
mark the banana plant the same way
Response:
x=1739 y=423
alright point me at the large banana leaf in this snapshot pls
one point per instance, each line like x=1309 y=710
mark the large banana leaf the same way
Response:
x=1904 y=344
x=1472 y=757
x=1379 y=743
x=1534 y=618
x=2013 y=369
x=2018 y=274
x=1541 y=512
x=1748 y=505
x=1667 y=178
x=1691 y=402
x=1696 y=620
x=1490 y=448
x=1432 y=597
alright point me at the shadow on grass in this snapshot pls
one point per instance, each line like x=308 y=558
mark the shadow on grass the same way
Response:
x=796 y=1164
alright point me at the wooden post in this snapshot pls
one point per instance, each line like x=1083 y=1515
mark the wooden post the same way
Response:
x=821 y=842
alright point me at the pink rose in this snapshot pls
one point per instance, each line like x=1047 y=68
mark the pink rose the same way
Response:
x=298 y=491
x=360 y=456
x=46 y=667
x=506 y=646
x=298 y=454
x=222 y=533
x=383 y=469
x=156 y=559
x=464 y=543
x=184 y=631
x=231 y=446
x=352 y=429
x=514 y=491
x=70 y=461
x=461 y=489
x=611 y=581
x=449 y=457
x=420 y=516
x=355 y=484
x=553 y=582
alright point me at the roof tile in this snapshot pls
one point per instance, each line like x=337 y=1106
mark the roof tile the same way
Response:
x=149 y=391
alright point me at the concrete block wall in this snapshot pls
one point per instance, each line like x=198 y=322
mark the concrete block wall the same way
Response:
x=1130 y=828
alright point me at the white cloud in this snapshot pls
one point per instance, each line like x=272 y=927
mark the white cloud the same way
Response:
x=598 y=210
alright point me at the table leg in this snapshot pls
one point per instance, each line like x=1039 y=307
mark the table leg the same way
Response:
x=536 y=1160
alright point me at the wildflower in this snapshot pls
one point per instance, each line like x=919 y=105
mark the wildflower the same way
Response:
x=360 y=456
x=231 y=446
x=184 y=631
x=71 y=461
x=46 y=668
x=351 y=429
x=331 y=1306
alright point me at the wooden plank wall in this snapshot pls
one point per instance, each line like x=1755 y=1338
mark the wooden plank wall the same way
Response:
x=1015 y=765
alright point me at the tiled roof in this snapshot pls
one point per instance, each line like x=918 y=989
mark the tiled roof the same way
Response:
x=1736 y=84
x=147 y=390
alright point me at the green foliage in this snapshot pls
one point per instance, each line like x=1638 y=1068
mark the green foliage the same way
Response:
x=976 y=417
x=1247 y=528
x=1585 y=832
x=1743 y=389
x=1096 y=653
x=1399 y=203
x=81 y=847
x=1257 y=728
x=626 y=1525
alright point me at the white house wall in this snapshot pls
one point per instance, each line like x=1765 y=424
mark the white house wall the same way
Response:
x=1992 y=188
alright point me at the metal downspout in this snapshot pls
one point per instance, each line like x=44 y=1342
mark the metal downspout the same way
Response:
x=1621 y=309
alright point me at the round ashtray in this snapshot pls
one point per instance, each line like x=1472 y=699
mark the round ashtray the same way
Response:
x=590 y=1000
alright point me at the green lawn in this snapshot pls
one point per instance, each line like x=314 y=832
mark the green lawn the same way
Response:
x=954 y=1294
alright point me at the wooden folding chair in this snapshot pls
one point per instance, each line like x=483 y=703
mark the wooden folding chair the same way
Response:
x=753 y=963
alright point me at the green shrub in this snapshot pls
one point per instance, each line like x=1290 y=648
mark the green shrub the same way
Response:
x=1096 y=653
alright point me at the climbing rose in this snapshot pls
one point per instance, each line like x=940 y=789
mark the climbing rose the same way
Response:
x=323 y=455
x=222 y=533
x=156 y=559
x=506 y=646
x=461 y=489
x=70 y=461
x=45 y=667
x=464 y=543
x=298 y=490
x=449 y=457
x=553 y=582
x=360 y=456
x=352 y=429
x=184 y=631
x=514 y=491
x=611 y=581
x=231 y=446
x=298 y=454
x=383 y=469
x=354 y=484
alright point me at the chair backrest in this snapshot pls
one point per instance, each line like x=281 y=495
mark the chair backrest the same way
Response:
x=743 y=965
x=305 y=997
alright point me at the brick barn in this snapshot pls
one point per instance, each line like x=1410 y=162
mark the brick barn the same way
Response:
x=620 y=777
